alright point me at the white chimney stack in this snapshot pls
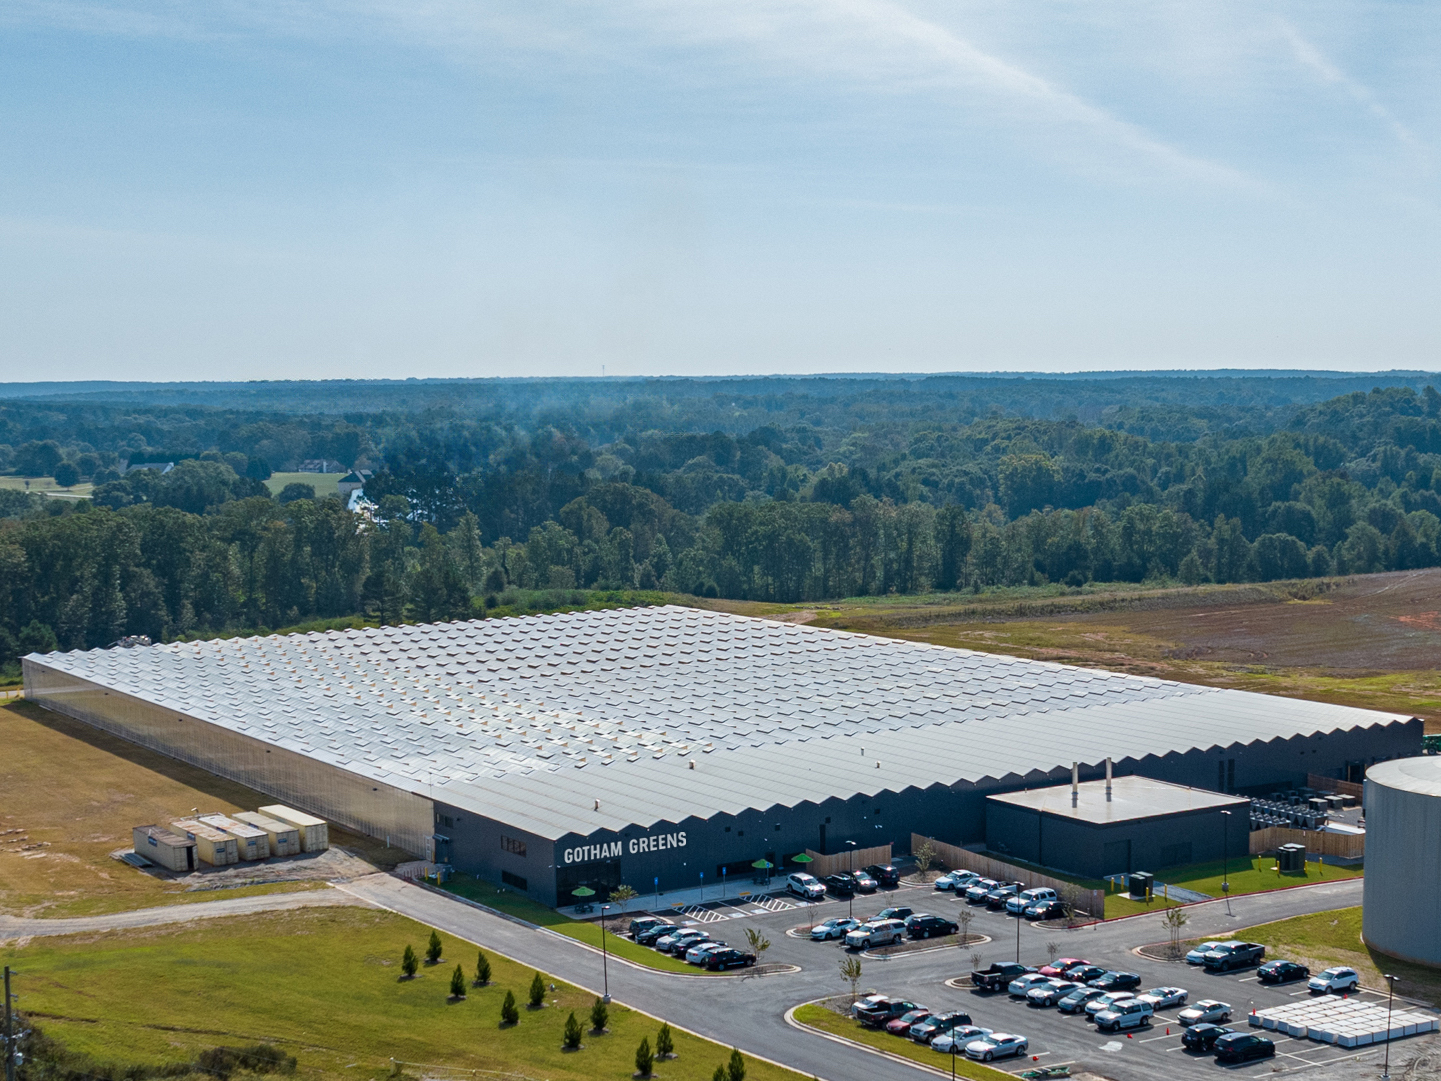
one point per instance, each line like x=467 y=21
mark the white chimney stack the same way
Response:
x=1108 y=780
x=1075 y=783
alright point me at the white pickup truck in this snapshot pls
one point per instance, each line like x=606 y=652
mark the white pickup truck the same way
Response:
x=876 y=933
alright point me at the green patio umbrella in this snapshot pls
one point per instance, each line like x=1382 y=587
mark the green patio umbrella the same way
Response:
x=763 y=865
x=803 y=858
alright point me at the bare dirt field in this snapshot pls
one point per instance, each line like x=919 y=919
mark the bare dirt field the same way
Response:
x=71 y=796
x=1368 y=640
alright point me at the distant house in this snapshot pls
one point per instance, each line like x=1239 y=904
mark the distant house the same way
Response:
x=319 y=465
x=351 y=482
x=163 y=467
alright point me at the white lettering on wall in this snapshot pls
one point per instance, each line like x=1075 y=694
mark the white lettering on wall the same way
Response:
x=612 y=849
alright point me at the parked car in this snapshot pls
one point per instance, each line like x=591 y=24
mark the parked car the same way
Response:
x=1050 y=992
x=648 y=936
x=938 y=1025
x=1018 y=904
x=924 y=925
x=1197 y=956
x=893 y=914
x=645 y=923
x=842 y=885
x=864 y=882
x=884 y=873
x=836 y=928
x=1059 y=966
x=976 y=892
x=997 y=898
x=1018 y=987
x=1202 y=1037
x=1231 y=955
x=1047 y=910
x=865 y=1002
x=996 y=1045
x=1116 y=981
x=1133 y=1013
x=1242 y=1047
x=1208 y=1009
x=1281 y=972
x=730 y=957
x=1078 y=999
x=1105 y=1000
x=954 y=1042
x=1341 y=980
x=875 y=933
x=678 y=942
x=901 y=1026
x=997 y=976
x=807 y=887
x=882 y=1010
x=1084 y=973
x=1163 y=998
x=698 y=953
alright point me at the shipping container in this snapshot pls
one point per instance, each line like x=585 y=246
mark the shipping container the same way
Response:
x=284 y=838
x=173 y=851
x=212 y=846
x=251 y=842
x=314 y=833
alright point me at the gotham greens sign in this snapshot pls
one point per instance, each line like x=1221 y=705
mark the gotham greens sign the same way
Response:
x=609 y=850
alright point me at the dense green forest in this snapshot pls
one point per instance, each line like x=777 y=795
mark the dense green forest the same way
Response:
x=786 y=490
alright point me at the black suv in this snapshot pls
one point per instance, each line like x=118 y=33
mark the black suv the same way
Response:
x=892 y=914
x=1241 y=955
x=1115 y=981
x=1281 y=972
x=730 y=957
x=887 y=1009
x=1203 y=1037
x=1242 y=1046
x=928 y=926
x=842 y=885
x=884 y=873
x=648 y=936
x=1047 y=910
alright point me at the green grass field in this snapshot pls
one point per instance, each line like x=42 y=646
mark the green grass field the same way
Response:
x=519 y=905
x=325 y=985
x=1251 y=876
x=323 y=483
x=47 y=486
x=827 y=1020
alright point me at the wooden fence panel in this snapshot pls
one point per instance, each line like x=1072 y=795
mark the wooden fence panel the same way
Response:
x=1348 y=846
x=836 y=862
x=1330 y=784
x=1091 y=902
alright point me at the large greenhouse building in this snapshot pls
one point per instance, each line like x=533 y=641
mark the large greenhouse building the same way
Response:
x=654 y=746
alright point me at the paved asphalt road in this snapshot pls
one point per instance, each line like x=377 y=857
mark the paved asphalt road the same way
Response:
x=749 y=1011
x=12 y=927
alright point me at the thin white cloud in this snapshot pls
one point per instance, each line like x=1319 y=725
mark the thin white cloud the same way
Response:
x=1312 y=57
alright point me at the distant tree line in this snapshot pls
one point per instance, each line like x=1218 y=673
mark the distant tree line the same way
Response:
x=474 y=511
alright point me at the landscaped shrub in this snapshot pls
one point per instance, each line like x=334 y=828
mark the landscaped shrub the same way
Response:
x=409 y=962
x=537 y=992
x=432 y=951
x=572 y=1032
x=644 y=1060
x=482 y=970
x=599 y=1015
x=509 y=1015
x=736 y=1070
x=664 y=1044
x=457 y=983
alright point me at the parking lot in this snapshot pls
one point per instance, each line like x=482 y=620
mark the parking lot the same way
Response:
x=936 y=978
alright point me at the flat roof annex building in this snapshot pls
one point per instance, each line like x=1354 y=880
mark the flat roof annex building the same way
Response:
x=654 y=746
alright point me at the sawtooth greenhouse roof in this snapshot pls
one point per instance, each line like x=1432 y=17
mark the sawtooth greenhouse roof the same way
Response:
x=600 y=720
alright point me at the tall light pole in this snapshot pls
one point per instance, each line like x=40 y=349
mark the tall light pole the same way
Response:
x=1226 y=858
x=1390 y=992
x=604 y=956
x=851 y=900
x=1018 y=926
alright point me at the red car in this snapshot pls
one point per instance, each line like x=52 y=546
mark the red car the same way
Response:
x=1060 y=964
x=901 y=1026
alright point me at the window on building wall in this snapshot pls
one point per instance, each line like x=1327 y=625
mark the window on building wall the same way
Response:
x=445 y=820
x=514 y=880
x=511 y=845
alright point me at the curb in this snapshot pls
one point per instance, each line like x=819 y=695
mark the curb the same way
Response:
x=592 y=991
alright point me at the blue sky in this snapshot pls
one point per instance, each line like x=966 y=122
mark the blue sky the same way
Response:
x=264 y=189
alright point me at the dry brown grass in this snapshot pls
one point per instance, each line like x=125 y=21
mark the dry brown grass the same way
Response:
x=71 y=796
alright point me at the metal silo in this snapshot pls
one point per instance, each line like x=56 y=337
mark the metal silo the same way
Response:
x=1402 y=913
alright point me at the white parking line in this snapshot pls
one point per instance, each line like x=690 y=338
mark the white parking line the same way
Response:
x=1153 y=1039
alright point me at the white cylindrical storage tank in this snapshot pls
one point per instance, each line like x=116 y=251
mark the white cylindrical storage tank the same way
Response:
x=1402 y=898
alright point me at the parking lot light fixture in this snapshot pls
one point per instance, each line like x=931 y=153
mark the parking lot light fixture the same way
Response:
x=1391 y=982
x=851 y=900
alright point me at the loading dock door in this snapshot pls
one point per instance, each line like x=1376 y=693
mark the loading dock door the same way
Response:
x=1116 y=856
